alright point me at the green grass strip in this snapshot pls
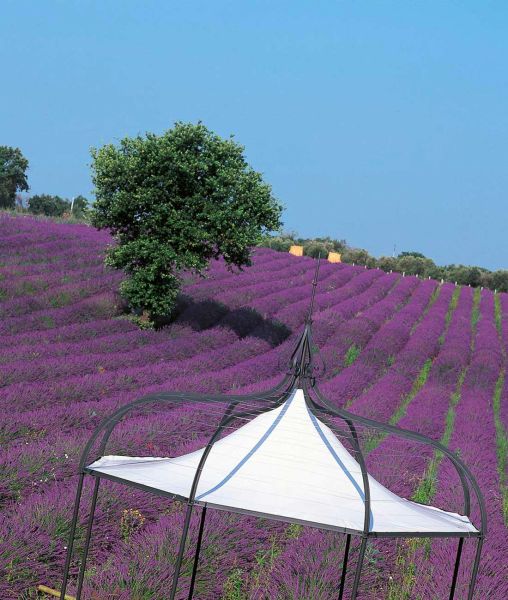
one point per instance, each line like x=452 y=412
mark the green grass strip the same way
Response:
x=501 y=433
x=499 y=318
x=432 y=300
x=242 y=585
x=353 y=351
x=418 y=383
x=233 y=586
x=449 y=313
x=351 y=355
x=428 y=485
x=423 y=374
x=475 y=314
x=426 y=490
x=501 y=445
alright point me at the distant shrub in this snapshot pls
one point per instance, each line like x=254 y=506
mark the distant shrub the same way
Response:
x=280 y=244
x=411 y=253
x=333 y=244
x=322 y=246
x=414 y=265
x=316 y=249
x=387 y=263
x=498 y=280
x=51 y=206
x=357 y=256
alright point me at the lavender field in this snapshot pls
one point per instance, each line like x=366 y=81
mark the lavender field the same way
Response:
x=426 y=356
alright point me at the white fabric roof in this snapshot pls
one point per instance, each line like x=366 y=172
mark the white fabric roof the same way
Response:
x=288 y=465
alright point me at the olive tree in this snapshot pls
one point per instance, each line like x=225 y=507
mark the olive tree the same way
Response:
x=13 y=167
x=173 y=202
x=46 y=204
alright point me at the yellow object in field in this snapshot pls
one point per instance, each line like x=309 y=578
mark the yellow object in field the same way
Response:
x=334 y=257
x=46 y=590
x=296 y=250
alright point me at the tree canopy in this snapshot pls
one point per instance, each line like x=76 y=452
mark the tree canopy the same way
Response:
x=46 y=204
x=13 y=167
x=174 y=201
x=411 y=253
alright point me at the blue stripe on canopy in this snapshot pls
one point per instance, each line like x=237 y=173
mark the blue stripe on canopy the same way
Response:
x=341 y=464
x=251 y=452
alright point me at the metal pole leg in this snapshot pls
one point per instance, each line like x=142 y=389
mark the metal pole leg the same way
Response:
x=87 y=538
x=196 y=554
x=72 y=533
x=181 y=550
x=476 y=564
x=456 y=569
x=344 y=566
x=359 y=566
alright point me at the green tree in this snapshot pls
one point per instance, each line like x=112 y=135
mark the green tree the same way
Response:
x=359 y=256
x=45 y=204
x=387 y=263
x=499 y=281
x=13 y=167
x=332 y=244
x=174 y=202
x=411 y=253
x=317 y=248
x=414 y=265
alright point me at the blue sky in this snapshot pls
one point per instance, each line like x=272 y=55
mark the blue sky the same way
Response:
x=377 y=121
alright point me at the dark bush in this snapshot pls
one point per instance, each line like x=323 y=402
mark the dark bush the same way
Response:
x=51 y=206
x=316 y=249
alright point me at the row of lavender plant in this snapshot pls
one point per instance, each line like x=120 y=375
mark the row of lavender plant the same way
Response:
x=346 y=345
x=42 y=368
x=500 y=402
x=47 y=318
x=39 y=374
x=381 y=400
x=407 y=467
x=99 y=380
x=377 y=354
x=92 y=362
x=474 y=437
x=503 y=301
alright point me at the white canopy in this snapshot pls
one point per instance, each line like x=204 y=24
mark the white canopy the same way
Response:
x=285 y=464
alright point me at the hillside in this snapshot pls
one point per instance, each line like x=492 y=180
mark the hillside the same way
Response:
x=425 y=356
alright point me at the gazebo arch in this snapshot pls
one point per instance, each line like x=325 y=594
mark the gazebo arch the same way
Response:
x=229 y=474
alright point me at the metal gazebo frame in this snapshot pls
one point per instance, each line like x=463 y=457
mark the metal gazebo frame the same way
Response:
x=301 y=374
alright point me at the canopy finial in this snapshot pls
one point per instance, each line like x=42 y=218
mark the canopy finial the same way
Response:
x=313 y=295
